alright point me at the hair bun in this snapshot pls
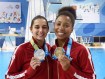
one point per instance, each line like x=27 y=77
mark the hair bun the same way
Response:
x=71 y=9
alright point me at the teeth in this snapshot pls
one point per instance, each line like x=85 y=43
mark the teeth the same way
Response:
x=60 y=33
x=41 y=35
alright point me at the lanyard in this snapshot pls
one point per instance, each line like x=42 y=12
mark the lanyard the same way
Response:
x=36 y=47
x=69 y=48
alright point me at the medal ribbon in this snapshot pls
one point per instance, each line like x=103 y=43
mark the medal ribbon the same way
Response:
x=36 y=47
x=69 y=48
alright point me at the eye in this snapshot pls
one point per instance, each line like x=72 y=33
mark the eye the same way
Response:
x=36 y=27
x=45 y=27
x=66 y=25
x=58 y=24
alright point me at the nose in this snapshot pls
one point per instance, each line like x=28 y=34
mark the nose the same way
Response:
x=41 y=29
x=61 y=27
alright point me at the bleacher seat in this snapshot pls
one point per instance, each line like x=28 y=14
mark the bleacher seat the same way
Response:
x=19 y=40
x=2 y=39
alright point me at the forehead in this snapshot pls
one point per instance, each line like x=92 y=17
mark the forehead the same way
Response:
x=40 y=20
x=63 y=18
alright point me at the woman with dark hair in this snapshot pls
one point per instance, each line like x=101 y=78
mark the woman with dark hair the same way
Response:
x=71 y=60
x=32 y=60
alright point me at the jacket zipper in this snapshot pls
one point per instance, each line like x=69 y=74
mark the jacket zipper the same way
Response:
x=58 y=70
x=47 y=67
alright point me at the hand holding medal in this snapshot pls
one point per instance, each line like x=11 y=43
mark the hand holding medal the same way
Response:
x=62 y=58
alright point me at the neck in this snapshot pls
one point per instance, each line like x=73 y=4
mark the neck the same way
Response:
x=40 y=43
x=61 y=42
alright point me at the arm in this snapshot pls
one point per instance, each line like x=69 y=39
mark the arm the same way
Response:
x=16 y=67
x=86 y=70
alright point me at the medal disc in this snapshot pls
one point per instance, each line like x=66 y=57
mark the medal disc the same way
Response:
x=58 y=51
x=40 y=54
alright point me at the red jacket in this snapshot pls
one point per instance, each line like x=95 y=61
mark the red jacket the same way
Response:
x=19 y=67
x=81 y=66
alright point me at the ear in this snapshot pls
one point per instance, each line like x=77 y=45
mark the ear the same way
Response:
x=31 y=29
x=72 y=29
x=48 y=30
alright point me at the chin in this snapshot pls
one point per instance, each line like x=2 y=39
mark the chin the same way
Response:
x=40 y=39
x=60 y=38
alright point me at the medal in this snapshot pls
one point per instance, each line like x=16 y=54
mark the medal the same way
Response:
x=59 y=51
x=40 y=54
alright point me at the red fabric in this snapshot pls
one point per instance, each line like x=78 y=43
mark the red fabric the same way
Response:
x=80 y=64
x=20 y=63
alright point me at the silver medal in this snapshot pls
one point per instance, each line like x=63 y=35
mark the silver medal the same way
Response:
x=40 y=54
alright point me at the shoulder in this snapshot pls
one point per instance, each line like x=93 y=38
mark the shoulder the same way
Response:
x=78 y=45
x=53 y=48
x=49 y=47
x=81 y=49
x=22 y=47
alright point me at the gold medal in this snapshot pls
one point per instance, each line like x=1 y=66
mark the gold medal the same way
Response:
x=40 y=54
x=58 y=52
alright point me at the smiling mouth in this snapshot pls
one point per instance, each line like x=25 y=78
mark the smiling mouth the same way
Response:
x=60 y=34
x=41 y=35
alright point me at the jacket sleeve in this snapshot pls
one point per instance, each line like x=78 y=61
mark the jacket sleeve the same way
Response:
x=86 y=70
x=16 y=69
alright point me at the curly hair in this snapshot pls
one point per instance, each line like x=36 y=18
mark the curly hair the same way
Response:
x=69 y=9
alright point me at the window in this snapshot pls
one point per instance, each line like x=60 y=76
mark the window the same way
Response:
x=102 y=39
x=96 y=39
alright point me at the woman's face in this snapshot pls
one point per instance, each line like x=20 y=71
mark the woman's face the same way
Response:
x=39 y=29
x=63 y=27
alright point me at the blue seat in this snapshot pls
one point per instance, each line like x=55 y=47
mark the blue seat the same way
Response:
x=19 y=40
x=2 y=39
